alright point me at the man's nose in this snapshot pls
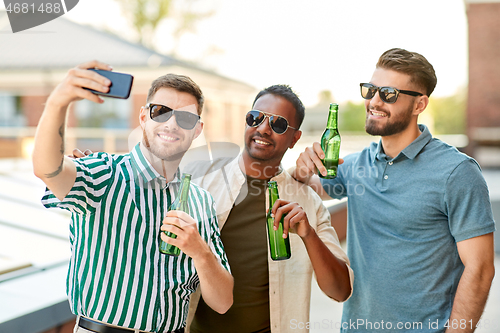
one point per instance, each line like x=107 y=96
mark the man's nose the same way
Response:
x=376 y=100
x=265 y=126
x=171 y=124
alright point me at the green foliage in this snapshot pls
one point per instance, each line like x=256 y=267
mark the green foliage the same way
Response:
x=146 y=16
x=449 y=113
x=352 y=117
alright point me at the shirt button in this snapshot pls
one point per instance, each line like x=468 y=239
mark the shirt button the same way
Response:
x=390 y=163
x=385 y=177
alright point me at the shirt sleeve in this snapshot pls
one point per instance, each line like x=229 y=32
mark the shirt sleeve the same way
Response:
x=93 y=175
x=215 y=241
x=467 y=202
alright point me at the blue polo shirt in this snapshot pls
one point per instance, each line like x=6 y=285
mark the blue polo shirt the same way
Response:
x=405 y=216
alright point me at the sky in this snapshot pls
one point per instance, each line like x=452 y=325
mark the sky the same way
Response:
x=311 y=45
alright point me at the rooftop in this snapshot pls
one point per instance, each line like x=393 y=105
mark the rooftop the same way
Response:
x=61 y=43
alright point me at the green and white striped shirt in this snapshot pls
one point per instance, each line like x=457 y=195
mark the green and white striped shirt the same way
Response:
x=116 y=273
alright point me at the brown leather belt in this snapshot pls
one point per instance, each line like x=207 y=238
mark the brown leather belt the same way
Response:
x=98 y=327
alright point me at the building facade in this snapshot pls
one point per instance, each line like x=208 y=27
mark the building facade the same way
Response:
x=34 y=62
x=483 y=107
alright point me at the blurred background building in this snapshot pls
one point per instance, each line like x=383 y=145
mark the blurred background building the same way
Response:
x=483 y=106
x=34 y=62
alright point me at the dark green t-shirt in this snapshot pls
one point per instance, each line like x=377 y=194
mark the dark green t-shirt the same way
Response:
x=244 y=237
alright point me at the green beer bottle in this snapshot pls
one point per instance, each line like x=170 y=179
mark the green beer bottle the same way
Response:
x=180 y=203
x=278 y=246
x=330 y=143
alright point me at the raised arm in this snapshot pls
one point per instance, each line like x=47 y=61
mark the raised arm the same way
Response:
x=307 y=166
x=49 y=163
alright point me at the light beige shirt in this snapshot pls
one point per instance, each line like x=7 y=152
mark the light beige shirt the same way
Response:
x=289 y=280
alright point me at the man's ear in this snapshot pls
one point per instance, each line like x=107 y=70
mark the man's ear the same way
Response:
x=296 y=137
x=143 y=114
x=421 y=104
x=199 y=129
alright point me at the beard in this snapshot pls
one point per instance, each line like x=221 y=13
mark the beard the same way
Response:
x=161 y=152
x=393 y=125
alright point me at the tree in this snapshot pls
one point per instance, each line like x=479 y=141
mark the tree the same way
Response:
x=146 y=15
x=188 y=17
x=325 y=98
x=352 y=117
x=449 y=113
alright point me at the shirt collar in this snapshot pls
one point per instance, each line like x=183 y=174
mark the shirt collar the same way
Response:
x=419 y=143
x=145 y=170
x=411 y=151
x=376 y=150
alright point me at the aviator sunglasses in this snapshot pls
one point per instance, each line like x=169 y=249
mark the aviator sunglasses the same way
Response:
x=278 y=124
x=387 y=94
x=161 y=113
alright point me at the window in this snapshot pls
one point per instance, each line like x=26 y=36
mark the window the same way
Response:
x=113 y=113
x=10 y=110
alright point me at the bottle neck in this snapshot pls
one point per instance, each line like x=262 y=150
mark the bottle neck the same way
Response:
x=332 y=119
x=273 y=195
x=184 y=189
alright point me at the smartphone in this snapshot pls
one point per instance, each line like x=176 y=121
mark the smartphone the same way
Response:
x=120 y=87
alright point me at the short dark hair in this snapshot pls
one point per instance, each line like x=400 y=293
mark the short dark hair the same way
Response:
x=413 y=64
x=287 y=93
x=180 y=83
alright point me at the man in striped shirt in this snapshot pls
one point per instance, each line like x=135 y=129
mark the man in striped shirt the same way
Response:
x=117 y=276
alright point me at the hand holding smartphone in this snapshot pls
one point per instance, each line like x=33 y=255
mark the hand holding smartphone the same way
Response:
x=120 y=87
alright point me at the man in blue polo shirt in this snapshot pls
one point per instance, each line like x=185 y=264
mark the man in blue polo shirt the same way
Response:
x=420 y=226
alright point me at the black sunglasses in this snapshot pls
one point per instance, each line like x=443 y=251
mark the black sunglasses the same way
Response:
x=278 y=124
x=161 y=113
x=387 y=94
